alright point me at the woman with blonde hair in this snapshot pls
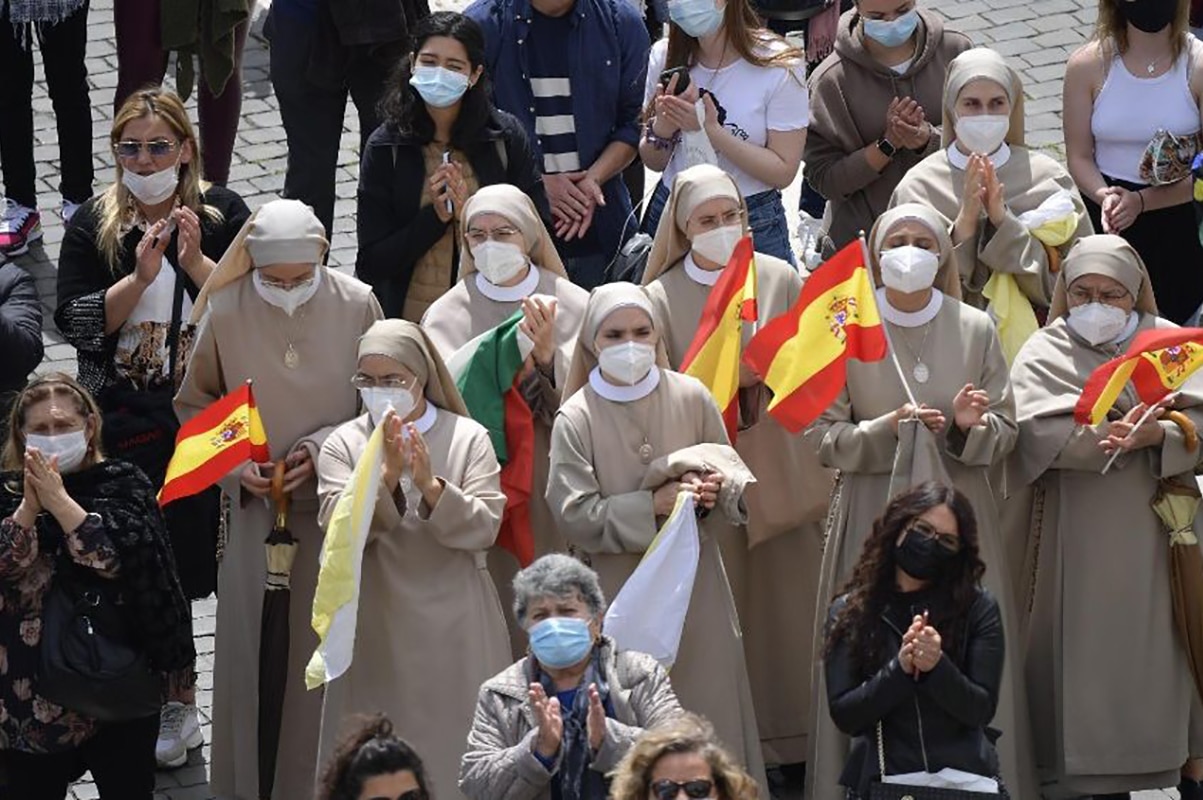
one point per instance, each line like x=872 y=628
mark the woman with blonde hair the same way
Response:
x=132 y=261
x=78 y=528
x=681 y=756
x=750 y=87
x=1133 y=110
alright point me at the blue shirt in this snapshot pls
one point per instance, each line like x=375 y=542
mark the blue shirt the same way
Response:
x=606 y=51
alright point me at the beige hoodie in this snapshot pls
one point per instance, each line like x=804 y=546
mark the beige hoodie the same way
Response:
x=849 y=95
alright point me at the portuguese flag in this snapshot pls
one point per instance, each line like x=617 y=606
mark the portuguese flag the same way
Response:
x=487 y=371
x=214 y=442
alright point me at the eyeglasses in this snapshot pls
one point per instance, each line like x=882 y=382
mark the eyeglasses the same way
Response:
x=948 y=541
x=477 y=236
x=361 y=381
x=412 y=794
x=158 y=148
x=1110 y=297
x=669 y=790
x=287 y=286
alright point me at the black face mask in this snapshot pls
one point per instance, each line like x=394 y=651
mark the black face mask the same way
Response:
x=921 y=558
x=1149 y=16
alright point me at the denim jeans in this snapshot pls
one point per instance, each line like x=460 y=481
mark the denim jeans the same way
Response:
x=766 y=217
x=587 y=272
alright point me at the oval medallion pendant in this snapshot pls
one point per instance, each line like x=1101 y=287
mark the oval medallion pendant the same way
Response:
x=645 y=453
x=921 y=372
x=291 y=359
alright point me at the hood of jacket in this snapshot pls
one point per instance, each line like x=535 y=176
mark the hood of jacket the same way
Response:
x=850 y=43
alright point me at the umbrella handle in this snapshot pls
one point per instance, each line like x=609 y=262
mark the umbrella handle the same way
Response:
x=279 y=496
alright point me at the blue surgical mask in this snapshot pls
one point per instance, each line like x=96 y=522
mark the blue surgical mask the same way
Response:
x=560 y=642
x=697 y=18
x=894 y=32
x=439 y=87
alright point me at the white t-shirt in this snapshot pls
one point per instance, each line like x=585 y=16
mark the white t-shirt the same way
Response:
x=757 y=100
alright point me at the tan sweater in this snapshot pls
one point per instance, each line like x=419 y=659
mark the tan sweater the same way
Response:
x=849 y=94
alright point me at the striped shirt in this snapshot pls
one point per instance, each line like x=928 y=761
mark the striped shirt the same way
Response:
x=551 y=85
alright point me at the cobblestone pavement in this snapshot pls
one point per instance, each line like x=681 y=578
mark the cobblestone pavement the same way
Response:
x=1036 y=36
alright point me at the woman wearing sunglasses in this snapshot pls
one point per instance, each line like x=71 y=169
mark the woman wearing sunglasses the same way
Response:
x=373 y=763
x=681 y=759
x=132 y=261
x=914 y=651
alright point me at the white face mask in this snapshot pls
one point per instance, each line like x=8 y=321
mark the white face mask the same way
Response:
x=499 y=262
x=1098 y=323
x=908 y=268
x=718 y=244
x=378 y=399
x=289 y=300
x=68 y=448
x=982 y=133
x=154 y=188
x=629 y=362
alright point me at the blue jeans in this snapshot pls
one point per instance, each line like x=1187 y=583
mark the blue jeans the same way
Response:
x=766 y=217
x=587 y=272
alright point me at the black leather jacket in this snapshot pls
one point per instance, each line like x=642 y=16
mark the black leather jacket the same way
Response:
x=936 y=722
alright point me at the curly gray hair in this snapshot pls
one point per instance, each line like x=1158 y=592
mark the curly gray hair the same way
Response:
x=560 y=576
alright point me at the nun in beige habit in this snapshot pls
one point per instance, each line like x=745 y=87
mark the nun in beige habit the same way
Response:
x=985 y=180
x=773 y=562
x=430 y=629
x=1114 y=708
x=509 y=263
x=272 y=313
x=959 y=425
x=630 y=435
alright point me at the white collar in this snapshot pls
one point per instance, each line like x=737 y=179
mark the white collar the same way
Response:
x=510 y=294
x=706 y=277
x=425 y=422
x=909 y=319
x=624 y=394
x=959 y=160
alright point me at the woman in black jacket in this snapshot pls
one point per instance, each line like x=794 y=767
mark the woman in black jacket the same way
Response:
x=441 y=140
x=914 y=651
x=74 y=525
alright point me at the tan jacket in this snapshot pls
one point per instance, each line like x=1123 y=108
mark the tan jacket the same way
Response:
x=849 y=95
x=500 y=763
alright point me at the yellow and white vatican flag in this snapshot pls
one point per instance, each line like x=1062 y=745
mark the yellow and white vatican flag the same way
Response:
x=336 y=602
x=648 y=614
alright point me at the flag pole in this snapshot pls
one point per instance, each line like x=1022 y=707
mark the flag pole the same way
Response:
x=906 y=387
x=1152 y=409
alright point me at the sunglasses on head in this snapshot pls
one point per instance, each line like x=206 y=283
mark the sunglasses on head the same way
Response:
x=669 y=790
x=947 y=541
x=412 y=794
x=159 y=148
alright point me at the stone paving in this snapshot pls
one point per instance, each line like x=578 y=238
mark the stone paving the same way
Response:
x=1037 y=37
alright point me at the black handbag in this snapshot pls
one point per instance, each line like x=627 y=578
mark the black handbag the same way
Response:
x=90 y=662
x=900 y=791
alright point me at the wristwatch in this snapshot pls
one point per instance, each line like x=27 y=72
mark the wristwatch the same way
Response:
x=888 y=150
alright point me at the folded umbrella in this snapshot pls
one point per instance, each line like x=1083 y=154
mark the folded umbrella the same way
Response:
x=1176 y=504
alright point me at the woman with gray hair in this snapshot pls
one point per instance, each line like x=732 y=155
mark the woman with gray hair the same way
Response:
x=566 y=714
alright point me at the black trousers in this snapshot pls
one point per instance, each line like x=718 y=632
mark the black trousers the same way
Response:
x=63 y=48
x=312 y=113
x=121 y=757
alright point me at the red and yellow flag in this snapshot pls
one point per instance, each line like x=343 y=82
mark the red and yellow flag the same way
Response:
x=713 y=356
x=1157 y=362
x=802 y=355
x=214 y=442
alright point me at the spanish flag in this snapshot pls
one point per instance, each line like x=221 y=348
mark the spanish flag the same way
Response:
x=713 y=356
x=802 y=355
x=214 y=442
x=1157 y=362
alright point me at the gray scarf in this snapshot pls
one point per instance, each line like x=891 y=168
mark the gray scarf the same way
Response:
x=21 y=13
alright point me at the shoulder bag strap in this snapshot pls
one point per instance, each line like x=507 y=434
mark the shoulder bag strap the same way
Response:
x=173 y=333
x=881 y=751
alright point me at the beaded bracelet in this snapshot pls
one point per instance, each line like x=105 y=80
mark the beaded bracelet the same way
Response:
x=659 y=142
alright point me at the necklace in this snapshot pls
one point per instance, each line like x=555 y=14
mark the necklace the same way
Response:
x=292 y=359
x=920 y=371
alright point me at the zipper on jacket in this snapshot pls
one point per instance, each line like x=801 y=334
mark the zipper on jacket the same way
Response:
x=918 y=713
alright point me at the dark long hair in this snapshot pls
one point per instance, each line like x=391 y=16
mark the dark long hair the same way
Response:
x=873 y=580
x=371 y=749
x=402 y=107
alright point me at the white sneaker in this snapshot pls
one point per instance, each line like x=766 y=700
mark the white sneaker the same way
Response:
x=19 y=225
x=179 y=732
x=68 y=209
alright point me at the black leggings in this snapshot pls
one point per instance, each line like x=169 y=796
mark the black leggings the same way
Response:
x=63 y=47
x=121 y=757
